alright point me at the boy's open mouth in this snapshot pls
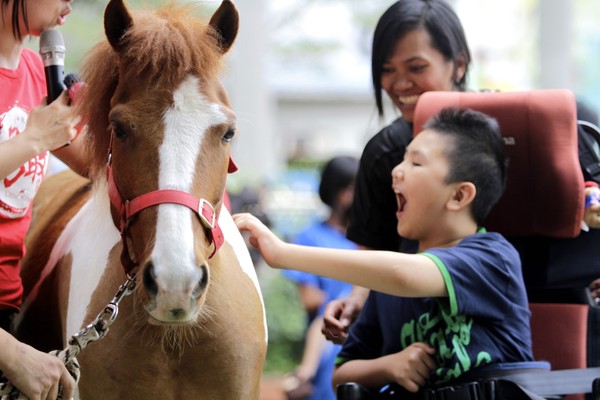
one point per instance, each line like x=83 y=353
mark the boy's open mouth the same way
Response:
x=401 y=200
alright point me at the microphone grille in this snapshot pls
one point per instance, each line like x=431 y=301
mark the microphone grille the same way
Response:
x=51 y=40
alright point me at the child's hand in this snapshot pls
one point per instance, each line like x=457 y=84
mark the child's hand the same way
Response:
x=412 y=366
x=591 y=214
x=260 y=238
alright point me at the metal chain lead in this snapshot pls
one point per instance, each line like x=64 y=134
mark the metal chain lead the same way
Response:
x=98 y=329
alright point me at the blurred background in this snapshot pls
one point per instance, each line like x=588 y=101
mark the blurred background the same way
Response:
x=299 y=81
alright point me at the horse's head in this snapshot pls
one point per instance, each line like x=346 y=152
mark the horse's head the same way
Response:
x=155 y=104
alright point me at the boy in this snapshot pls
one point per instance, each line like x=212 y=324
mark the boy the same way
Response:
x=462 y=302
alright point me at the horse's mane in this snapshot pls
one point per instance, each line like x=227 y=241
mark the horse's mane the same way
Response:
x=163 y=45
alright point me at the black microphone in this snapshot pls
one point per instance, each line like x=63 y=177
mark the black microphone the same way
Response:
x=52 y=50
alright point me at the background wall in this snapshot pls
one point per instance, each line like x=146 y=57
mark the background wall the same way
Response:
x=299 y=73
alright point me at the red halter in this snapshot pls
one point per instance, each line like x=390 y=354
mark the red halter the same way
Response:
x=128 y=208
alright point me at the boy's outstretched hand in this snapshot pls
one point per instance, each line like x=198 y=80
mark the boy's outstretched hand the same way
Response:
x=260 y=237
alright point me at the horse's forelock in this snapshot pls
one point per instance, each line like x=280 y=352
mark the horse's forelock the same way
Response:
x=172 y=40
x=164 y=46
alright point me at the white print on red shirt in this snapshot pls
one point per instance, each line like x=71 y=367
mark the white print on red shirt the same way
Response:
x=18 y=188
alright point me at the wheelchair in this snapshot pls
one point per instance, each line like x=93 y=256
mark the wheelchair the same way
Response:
x=540 y=213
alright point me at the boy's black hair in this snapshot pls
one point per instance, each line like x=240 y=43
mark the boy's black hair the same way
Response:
x=434 y=16
x=337 y=174
x=475 y=154
x=18 y=7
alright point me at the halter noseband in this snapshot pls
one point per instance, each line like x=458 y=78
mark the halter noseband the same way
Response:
x=129 y=208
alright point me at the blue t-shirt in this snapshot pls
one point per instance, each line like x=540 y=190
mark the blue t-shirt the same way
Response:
x=320 y=234
x=485 y=319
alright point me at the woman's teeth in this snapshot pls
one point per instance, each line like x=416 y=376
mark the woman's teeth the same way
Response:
x=409 y=99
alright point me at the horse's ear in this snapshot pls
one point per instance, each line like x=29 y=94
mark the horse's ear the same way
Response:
x=225 y=21
x=117 y=21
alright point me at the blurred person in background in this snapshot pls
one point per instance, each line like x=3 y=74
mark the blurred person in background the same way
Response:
x=312 y=378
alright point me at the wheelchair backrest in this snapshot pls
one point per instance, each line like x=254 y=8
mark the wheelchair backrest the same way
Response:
x=544 y=193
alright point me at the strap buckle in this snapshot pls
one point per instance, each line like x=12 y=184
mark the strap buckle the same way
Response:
x=207 y=214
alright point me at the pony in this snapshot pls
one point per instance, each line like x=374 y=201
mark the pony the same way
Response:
x=158 y=131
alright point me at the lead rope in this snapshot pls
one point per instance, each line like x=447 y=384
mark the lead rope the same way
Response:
x=79 y=341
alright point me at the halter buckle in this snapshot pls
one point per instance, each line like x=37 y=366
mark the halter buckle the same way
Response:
x=207 y=220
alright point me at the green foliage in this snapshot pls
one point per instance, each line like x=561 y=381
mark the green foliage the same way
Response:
x=286 y=321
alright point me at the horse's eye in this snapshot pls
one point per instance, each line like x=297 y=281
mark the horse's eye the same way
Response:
x=229 y=134
x=119 y=132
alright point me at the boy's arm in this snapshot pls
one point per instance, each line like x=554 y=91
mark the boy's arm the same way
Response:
x=398 y=274
x=410 y=368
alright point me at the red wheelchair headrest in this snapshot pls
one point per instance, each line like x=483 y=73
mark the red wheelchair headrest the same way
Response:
x=545 y=188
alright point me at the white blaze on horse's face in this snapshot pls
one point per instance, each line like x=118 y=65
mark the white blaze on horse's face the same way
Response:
x=176 y=269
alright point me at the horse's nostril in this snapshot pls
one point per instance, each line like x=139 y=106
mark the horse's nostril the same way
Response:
x=150 y=279
x=177 y=312
x=202 y=282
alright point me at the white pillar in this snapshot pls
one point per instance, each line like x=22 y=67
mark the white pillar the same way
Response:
x=256 y=149
x=556 y=36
